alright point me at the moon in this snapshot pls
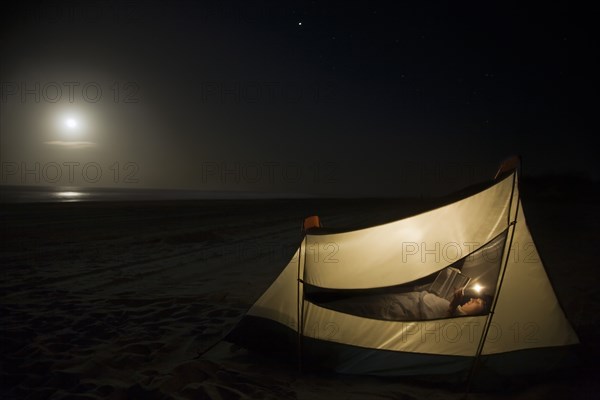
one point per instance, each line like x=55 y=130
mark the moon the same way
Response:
x=71 y=123
x=71 y=126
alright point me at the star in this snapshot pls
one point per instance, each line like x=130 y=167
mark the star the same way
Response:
x=300 y=23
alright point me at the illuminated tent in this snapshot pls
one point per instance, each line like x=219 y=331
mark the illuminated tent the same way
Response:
x=484 y=234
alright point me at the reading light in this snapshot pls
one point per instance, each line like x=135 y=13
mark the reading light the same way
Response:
x=477 y=287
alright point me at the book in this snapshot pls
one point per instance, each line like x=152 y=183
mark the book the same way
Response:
x=447 y=282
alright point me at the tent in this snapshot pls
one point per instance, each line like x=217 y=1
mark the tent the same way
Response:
x=330 y=306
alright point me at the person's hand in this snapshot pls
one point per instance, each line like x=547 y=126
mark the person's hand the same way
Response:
x=458 y=294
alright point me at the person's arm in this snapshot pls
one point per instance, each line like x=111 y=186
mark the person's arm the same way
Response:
x=458 y=295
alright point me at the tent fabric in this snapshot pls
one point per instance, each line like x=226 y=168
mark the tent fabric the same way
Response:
x=525 y=314
x=405 y=250
x=450 y=336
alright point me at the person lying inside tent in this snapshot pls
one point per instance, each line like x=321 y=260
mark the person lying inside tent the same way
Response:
x=465 y=304
x=411 y=306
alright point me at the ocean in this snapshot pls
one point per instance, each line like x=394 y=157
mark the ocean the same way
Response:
x=53 y=194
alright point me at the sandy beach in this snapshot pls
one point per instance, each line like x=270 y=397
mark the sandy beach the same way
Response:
x=121 y=300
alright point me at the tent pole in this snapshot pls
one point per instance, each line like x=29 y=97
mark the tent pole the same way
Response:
x=300 y=304
x=488 y=321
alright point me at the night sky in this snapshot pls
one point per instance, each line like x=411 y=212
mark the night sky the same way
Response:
x=331 y=98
